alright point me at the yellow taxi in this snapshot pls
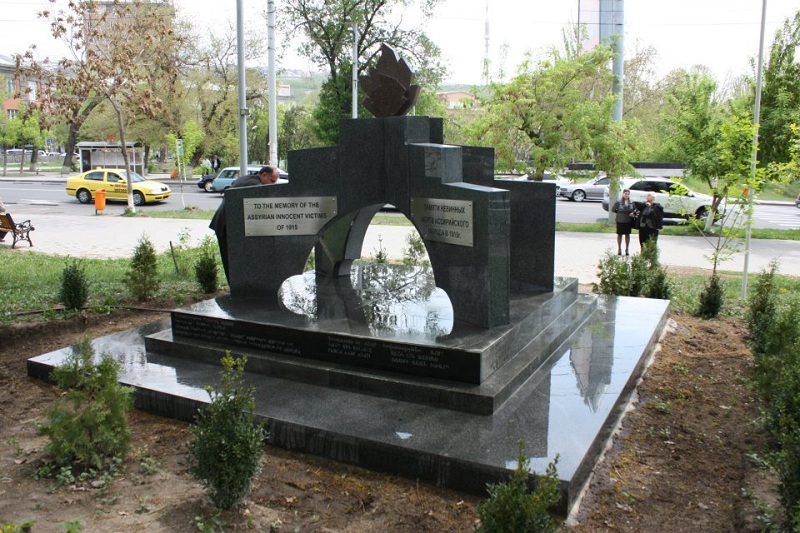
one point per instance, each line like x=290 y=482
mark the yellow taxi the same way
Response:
x=113 y=180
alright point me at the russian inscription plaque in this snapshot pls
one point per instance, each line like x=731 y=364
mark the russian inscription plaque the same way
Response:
x=443 y=220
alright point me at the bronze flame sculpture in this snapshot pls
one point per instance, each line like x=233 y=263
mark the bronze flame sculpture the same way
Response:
x=389 y=86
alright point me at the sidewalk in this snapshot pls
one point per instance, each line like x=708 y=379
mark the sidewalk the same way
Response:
x=577 y=254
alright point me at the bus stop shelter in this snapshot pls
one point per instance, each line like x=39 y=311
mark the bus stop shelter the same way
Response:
x=109 y=155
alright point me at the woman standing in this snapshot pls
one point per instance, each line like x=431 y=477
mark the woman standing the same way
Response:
x=624 y=210
x=651 y=219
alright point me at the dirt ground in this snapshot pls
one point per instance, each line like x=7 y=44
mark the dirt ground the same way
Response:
x=684 y=459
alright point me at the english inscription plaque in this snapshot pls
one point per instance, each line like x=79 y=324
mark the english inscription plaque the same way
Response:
x=280 y=217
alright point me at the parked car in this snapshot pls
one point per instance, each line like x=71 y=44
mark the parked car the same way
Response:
x=677 y=200
x=594 y=189
x=559 y=181
x=84 y=186
x=797 y=201
x=204 y=182
x=228 y=175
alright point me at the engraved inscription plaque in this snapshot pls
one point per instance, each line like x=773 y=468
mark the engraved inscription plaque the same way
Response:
x=279 y=217
x=443 y=220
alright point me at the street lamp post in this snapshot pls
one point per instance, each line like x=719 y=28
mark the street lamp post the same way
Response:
x=754 y=160
x=273 y=85
x=355 y=69
x=243 y=111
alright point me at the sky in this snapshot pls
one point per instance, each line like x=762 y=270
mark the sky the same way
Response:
x=720 y=34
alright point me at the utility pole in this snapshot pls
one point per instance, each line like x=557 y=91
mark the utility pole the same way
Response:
x=273 y=85
x=754 y=160
x=243 y=111
x=486 y=47
x=612 y=23
x=355 y=68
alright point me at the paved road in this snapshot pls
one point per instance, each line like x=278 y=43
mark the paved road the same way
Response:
x=47 y=194
x=577 y=254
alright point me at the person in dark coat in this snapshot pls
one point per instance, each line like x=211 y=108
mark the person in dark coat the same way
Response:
x=265 y=176
x=650 y=220
x=624 y=210
x=2 y=211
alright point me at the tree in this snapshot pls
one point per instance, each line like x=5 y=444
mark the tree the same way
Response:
x=644 y=102
x=613 y=146
x=192 y=138
x=213 y=80
x=122 y=53
x=327 y=26
x=24 y=130
x=296 y=132
x=780 y=99
x=548 y=113
x=4 y=137
x=692 y=119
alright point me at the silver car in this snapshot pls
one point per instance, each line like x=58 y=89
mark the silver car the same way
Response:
x=594 y=189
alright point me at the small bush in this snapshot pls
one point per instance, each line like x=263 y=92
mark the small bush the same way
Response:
x=227 y=445
x=614 y=274
x=658 y=284
x=205 y=269
x=639 y=273
x=415 y=253
x=775 y=331
x=511 y=507
x=762 y=307
x=142 y=276
x=89 y=424
x=74 y=286
x=641 y=276
x=711 y=298
x=23 y=527
x=381 y=257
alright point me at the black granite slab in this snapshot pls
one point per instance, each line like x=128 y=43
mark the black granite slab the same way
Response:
x=383 y=317
x=567 y=408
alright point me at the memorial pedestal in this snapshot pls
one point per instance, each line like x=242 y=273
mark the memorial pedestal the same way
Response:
x=562 y=393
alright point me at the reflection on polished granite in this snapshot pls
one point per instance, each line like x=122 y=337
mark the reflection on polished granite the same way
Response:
x=349 y=332
x=567 y=408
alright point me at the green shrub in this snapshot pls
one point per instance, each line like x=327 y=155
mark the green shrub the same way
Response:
x=142 y=276
x=641 y=276
x=658 y=284
x=511 y=507
x=639 y=272
x=614 y=273
x=89 y=424
x=74 y=285
x=415 y=253
x=205 y=269
x=23 y=527
x=711 y=298
x=762 y=307
x=774 y=324
x=227 y=445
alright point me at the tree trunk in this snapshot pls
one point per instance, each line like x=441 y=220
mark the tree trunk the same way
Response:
x=34 y=161
x=78 y=117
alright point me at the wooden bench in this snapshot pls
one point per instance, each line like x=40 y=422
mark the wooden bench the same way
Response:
x=20 y=231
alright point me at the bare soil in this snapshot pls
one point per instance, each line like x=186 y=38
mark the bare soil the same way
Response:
x=681 y=461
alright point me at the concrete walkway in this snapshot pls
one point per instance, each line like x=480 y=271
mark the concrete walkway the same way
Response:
x=577 y=254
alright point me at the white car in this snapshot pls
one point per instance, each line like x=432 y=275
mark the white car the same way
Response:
x=677 y=200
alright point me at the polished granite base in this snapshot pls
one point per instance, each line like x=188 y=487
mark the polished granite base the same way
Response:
x=363 y=335
x=566 y=409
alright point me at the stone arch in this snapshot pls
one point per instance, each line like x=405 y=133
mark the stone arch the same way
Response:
x=440 y=188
